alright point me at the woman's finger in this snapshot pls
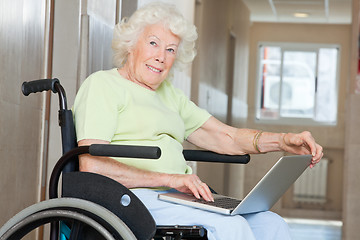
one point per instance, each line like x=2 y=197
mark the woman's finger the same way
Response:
x=205 y=192
x=200 y=189
x=310 y=142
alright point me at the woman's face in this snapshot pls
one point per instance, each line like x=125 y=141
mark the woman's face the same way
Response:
x=150 y=61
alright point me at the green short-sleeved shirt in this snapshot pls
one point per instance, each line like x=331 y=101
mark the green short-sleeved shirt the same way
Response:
x=111 y=108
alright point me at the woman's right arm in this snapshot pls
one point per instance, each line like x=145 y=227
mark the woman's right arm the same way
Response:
x=132 y=177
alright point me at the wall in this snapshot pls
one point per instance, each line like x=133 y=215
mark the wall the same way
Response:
x=22 y=58
x=332 y=138
x=351 y=193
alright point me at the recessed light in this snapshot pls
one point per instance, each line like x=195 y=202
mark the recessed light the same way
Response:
x=301 y=15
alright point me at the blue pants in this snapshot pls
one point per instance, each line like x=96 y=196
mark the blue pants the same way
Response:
x=261 y=226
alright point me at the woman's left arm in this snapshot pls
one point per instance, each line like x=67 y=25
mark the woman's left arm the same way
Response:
x=216 y=136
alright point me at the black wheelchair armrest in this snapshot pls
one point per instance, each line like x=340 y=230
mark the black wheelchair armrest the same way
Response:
x=208 y=156
x=98 y=150
x=109 y=150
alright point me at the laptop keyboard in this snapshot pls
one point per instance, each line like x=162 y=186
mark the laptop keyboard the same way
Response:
x=222 y=202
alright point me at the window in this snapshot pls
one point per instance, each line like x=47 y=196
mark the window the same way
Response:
x=297 y=83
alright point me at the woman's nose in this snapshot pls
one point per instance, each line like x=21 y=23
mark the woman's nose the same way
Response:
x=161 y=56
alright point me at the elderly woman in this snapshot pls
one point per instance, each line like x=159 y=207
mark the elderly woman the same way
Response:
x=136 y=104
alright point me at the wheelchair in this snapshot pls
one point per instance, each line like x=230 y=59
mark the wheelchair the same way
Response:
x=93 y=206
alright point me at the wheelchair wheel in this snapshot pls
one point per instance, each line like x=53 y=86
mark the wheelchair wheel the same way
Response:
x=78 y=212
x=36 y=220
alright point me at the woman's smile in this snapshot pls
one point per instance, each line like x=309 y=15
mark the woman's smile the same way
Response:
x=156 y=70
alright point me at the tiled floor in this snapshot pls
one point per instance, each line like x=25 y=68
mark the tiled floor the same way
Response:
x=304 y=229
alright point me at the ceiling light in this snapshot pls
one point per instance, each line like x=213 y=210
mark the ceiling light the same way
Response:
x=301 y=15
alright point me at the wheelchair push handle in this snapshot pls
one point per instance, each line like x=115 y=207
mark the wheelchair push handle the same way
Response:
x=125 y=151
x=39 y=86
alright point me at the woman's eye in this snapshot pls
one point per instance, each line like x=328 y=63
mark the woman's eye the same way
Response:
x=153 y=43
x=171 y=50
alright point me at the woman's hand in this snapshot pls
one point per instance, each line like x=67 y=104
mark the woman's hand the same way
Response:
x=190 y=183
x=302 y=143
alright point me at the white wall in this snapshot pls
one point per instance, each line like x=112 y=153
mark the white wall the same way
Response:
x=22 y=58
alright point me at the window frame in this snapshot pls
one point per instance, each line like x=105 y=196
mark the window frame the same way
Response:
x=293 y=46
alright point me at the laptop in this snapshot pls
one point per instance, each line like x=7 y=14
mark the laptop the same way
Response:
x=261 y=198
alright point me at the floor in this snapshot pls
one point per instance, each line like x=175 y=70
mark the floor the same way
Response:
x=301 y=229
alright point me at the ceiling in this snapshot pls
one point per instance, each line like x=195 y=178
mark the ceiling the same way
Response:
x=319 y=11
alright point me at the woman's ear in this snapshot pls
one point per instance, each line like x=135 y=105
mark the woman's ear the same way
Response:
x=130 y=51
x=129 y=55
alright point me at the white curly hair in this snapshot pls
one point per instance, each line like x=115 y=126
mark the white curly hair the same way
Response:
x=127 y=32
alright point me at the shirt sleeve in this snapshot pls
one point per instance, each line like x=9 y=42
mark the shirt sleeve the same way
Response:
x=192 y=115
x=96 y=109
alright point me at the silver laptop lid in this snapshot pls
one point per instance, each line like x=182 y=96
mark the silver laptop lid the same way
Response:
x=274 y=184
